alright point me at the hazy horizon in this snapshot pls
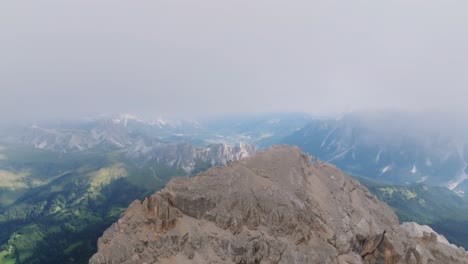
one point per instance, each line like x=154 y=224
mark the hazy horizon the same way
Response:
x=177 y=58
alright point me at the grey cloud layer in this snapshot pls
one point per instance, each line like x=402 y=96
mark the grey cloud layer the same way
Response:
x=176 y=57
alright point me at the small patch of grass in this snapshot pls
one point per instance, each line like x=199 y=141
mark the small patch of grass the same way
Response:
x=6 y=258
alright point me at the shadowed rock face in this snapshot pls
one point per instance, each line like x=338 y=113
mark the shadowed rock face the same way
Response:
x=275 y=207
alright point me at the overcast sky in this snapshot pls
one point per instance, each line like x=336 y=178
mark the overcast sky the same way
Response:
x=172 y=57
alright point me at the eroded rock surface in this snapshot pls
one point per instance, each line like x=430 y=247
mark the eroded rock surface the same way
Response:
x=275 y=207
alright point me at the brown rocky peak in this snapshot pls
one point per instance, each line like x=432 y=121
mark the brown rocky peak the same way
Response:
x=274 y=207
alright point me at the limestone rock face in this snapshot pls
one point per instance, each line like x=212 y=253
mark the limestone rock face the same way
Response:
x=274 y=207
x=185 y=155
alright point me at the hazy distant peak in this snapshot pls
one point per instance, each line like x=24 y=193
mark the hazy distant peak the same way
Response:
x=123 y=119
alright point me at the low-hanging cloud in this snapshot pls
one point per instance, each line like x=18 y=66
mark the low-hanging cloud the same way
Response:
x=76 y=58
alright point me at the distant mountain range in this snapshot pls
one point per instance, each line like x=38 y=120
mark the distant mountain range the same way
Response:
x=393 y=148
x=67 y=181
x=122 y=131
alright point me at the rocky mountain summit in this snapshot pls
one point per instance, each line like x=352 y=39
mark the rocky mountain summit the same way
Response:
x=279 y=206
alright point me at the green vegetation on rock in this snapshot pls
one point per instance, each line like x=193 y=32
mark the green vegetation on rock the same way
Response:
x=442 y=209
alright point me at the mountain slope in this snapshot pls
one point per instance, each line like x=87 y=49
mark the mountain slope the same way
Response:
x=390 y=147
x=439 y=207
x=276 y=207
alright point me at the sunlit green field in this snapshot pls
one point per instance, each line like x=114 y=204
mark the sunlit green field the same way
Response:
x=6 y=258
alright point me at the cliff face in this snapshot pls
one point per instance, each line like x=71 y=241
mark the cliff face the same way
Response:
x=275 y=207
x=186 y=156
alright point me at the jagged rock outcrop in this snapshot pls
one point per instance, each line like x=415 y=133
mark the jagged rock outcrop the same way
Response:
x=275 y=207
x=108 y=136
x=186 y=156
